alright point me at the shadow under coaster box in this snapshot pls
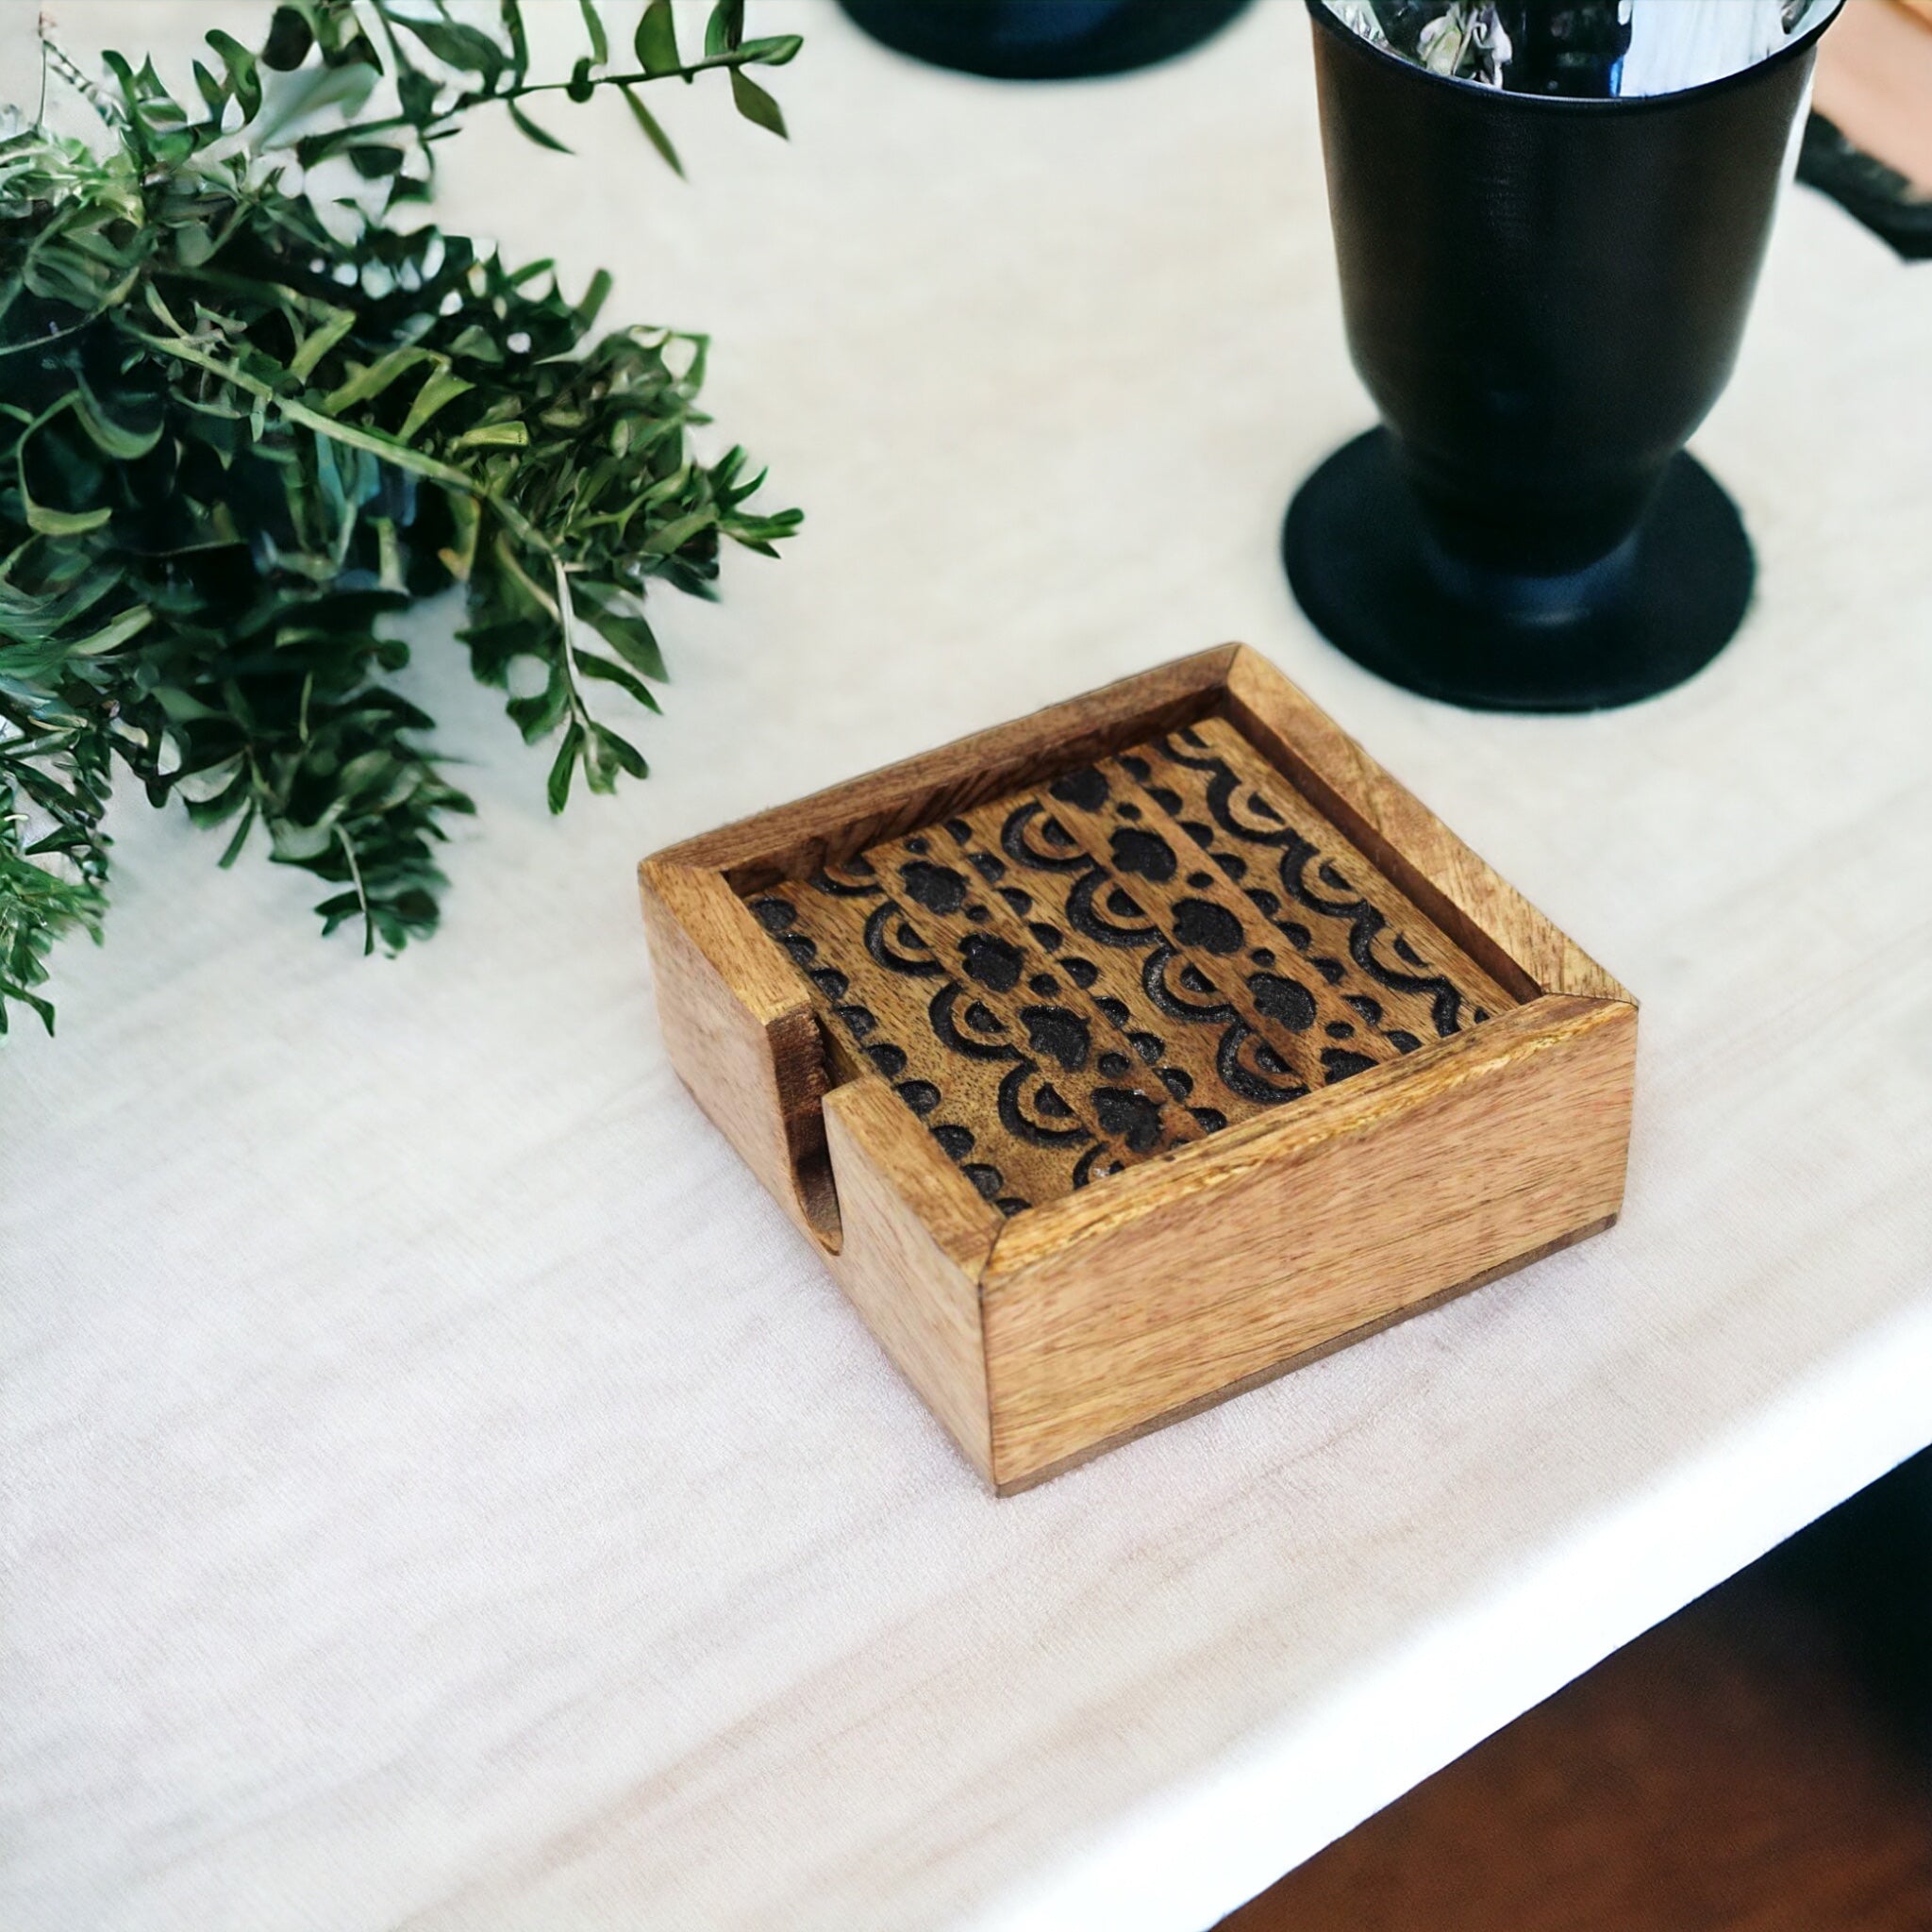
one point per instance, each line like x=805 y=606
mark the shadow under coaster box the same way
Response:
x=1123 y=1057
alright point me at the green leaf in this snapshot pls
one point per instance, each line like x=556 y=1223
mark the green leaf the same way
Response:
x=755 y=104
x=559 y=786
x=678 y=533
x=232 y=850
x=653 y=133
x=244 y=77
x=580 y=87
x=12 y=990
x=656 y=44
x=319 y=341
x=211 y=91
x=183 y=708
x=416 y=94
x=600 y=43
x=632 y=637
x=466 y=48
x=593 y=666
x=538 y=717
x=375 y=160
x=460 y=555
x=289 y=38
x=512 y=14
x=114 y=634
x=724 y=29
x=536 y=134
x=620 y=751
x=443 y=387
x=495 y=436
x=586 y=312
x=112 y=439
x=372 y=379
x=774 y=51
x=64 y=523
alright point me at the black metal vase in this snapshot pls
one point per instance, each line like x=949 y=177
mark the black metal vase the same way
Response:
x=1544 y=296
x=1041 y=40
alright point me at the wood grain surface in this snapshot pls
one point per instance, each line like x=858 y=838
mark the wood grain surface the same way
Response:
x=1079 y=975
x=739 y=1029
x=917 y=1236
x=1485 y=915
x=1234 y=1095
x=1111 y=1310
x=793 y=841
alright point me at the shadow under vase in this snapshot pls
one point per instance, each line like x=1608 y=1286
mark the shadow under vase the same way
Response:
x=1375 y=578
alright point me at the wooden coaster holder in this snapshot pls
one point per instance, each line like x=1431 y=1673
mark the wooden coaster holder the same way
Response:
x=1122 y=1058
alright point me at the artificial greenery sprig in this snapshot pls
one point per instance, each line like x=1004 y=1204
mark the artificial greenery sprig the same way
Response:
x=246 y=417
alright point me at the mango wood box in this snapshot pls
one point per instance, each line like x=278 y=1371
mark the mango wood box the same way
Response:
x=1122 y=1058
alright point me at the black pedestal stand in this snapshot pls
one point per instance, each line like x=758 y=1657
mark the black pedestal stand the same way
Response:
x=1543 y=295
x=1659 y=608
x=1041 y=40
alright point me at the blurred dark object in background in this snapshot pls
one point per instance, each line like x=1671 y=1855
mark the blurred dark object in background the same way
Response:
x=1563 y=50
x=1869 y=144
x=1041 y=40
x=1762 y=1762
x=1865 y=188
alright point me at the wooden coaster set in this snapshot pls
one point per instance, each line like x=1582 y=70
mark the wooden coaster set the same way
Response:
x=1125 y=1056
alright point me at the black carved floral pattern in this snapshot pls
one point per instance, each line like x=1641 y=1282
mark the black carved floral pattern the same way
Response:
x=1153 y=947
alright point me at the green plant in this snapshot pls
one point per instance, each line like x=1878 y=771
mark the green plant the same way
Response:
x=246 y=415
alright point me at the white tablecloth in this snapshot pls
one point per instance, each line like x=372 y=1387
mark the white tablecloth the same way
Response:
x=440 y=1490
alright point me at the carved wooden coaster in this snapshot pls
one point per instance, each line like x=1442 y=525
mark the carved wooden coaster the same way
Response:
x=1125 y=1056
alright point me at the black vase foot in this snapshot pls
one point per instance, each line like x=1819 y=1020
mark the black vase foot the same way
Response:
x=1041 y=40
x=1354 y=545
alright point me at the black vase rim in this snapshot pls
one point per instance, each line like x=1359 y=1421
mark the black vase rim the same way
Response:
x=1328 y=20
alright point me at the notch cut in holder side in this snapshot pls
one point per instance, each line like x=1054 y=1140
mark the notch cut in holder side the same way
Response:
x=740 y=1032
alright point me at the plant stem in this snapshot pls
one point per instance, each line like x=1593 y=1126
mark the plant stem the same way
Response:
x=463 y=103
x=370 y=441
x=567 y=623
x=348 y=846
